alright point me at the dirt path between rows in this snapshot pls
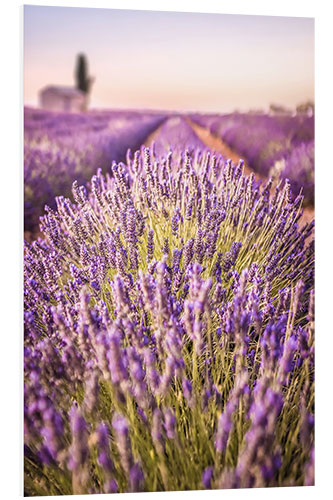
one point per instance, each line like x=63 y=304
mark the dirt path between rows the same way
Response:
x=219 y=146
x=216 y=144
x=30 y=236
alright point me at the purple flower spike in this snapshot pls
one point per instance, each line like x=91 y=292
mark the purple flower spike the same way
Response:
x=170 y=423
x=121 y=428
x=187 y=389
x=136 y=478
x=79 y=451
x=207 y=477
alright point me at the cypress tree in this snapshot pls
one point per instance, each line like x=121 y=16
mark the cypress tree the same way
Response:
x=82 y=80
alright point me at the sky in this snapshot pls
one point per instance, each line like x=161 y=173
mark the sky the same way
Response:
x=170 y=60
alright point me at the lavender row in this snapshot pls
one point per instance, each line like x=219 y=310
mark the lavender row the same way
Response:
x=169 y=333
x=176 y=134
x=281 y=145
x=61 y=147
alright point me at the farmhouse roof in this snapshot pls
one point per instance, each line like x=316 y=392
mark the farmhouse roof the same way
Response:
x=63 y=91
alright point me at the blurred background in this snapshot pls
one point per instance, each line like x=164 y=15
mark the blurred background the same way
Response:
x=169 y=60
x=241 y=86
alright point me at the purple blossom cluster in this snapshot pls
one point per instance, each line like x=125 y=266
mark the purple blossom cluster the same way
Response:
x=62 y=147
x=169 y=332
x=283 y=142
x=176 y=134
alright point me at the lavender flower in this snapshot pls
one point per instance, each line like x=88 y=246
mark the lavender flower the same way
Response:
x=136 y=478
x=207 y=477
x=121 y=429
x=173 y=297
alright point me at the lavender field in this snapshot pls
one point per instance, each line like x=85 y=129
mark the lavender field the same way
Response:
x=278 y=146
x=168 y=302
x=60 y=148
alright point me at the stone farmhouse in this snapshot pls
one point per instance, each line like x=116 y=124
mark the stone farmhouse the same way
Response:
x=61 y=98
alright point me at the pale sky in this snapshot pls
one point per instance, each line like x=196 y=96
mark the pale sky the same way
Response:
x=171 y=60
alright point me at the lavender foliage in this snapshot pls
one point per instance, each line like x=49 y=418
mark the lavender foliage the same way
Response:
x=169 y=332
x=60 y=148
x=282 y=146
